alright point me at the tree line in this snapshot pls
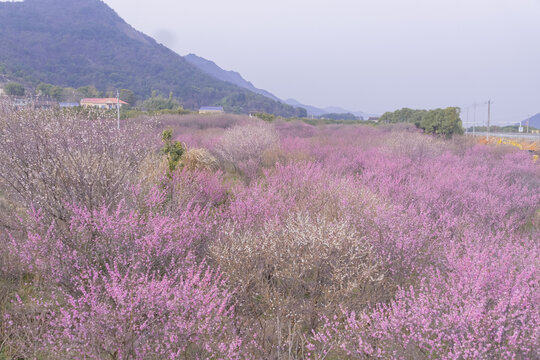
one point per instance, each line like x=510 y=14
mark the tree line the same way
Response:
x=445 y=122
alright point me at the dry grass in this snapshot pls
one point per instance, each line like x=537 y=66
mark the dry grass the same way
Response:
x=199 y=159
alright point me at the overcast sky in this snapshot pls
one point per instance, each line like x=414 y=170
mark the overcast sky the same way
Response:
x=368 y=55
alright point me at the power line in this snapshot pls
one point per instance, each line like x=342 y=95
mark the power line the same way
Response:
x=507 y=120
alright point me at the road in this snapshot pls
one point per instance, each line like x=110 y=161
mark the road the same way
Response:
x=530 y=137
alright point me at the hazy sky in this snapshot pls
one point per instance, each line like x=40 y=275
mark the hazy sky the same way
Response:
x=369 y=55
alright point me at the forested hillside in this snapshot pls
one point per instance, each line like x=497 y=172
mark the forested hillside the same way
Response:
x=84 y=42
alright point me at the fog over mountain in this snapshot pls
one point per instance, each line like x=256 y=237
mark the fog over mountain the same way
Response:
x=373 y=56
x=75 y=43
x=211 y=68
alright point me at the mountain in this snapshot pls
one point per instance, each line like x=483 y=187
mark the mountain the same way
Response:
x=315 y=111
x=534 y=121
x=311 y=110
x=210 y=68
x=74 y=43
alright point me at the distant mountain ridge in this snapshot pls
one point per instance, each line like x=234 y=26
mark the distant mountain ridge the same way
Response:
x=233 y=77
x=533 y=121
x=316 y=111
x=311 y=110
x=74 y=43
x=210 y=68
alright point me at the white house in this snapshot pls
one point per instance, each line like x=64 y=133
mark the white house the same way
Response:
x=102 y=103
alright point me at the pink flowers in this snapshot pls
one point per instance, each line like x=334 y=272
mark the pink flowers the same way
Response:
x=127 y=286
x=354 y=242
x=136 y=315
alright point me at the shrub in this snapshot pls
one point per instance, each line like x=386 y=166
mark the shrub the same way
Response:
x=122 y=286
x=173 y=150
x=158 y=102
x=287 y=275
x=50 y=159
x=194 y=187
x=201 y=122
x=342 y=242
x=14 y=89
x=199 y=159
x=477 y=309
x=242 y=147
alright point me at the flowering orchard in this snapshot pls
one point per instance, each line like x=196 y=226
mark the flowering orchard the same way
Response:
x=268 y=241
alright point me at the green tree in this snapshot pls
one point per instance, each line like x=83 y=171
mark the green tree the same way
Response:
x=14 y=89
x=89 y=91
x=172 y=149
x=301 y=112
x=340 y=116
x=445 y=122
x=451 y=122
x=55 y=92
x=403 y=115
x=158 y=102
x=128 y=96
x=71 y=95
x=265 y=116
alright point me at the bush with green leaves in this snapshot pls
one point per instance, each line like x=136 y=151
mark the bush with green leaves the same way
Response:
x=172 y=149
x=14 y=89
x=158 y=102
x=445 y=122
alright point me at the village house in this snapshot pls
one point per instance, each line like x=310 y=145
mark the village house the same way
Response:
x=211 y=110
x=102 y=103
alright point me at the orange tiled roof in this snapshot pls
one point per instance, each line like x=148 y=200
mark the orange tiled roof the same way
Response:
x=102 y=101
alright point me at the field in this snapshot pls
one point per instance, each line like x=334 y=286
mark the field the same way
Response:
x=227 y=237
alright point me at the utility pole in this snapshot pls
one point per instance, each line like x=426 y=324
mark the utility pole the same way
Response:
x=467 y=122
x=474 y=120
x=489 y=118
x=118 y=108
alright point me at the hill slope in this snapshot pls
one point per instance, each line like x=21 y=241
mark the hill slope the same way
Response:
x=210 y=68
x=534 y=121
x=84 y=42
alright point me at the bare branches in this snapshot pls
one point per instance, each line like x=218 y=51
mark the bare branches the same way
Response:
x=50 y=159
